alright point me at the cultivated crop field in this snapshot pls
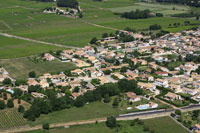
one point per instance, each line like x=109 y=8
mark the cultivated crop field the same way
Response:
x=19 y=68
x=11 y=118
x=26 y=19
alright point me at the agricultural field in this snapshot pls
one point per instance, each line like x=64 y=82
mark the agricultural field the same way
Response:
x=26 y=19
x=164 y=125
x=14 y=48
x=158 y=125
x=19 y=68
x=11 y=118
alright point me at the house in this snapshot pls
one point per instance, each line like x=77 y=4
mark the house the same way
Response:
x=153 y=105
x=149 y=86
x=37 y=95
x=165 y=74
x=75 y=95
x=196 y=85
x=176 y=88
x=77 y=71
x=161 y=83
x=23 y=88
x=171 y=96
x=133 y=97
x=119 y=76
x=32 y=82
x=190 y=91
x=48 y=57
x=44 y=84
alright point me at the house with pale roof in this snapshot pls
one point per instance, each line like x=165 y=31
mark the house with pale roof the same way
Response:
x=48 y=57
x=119 y=76
x=32 y=82
x=44 y=84
x=190 y=91
x=171 y=96
x=133 y=97
x=161 y=83
x=38 y=95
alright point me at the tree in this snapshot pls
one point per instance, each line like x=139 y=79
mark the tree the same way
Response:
x=104 y=35
x=45 y=126
x=178 y=112
x=197 y=17
x=21 y=109
x=93 y=40
x=76 y=89
x=106 y=98
x=67 y=93
x=10 y=103
x=32 y=74
x=2 y=105
x=155 y=27
x=80 y=15
x=7 y=81
x=80 y=101
x=115 y=102
x=111 y=122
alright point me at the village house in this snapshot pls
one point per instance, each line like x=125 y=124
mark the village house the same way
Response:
x=175 y=88
x=38 y=95
x=133 y=97
x=32 y=82
x=48 y=57
x=161 y=83
x=171 y=96
x=44 y=84
x=119 y=76
x=190 y=91
x=164 y=74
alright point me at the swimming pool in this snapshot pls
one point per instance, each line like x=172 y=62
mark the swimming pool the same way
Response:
x=11 y=91
x=142 y=107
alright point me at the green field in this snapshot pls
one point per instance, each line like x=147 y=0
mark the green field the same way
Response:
x=91 y=111
x=14 y=48
x=25 y=18
x=10 y=118
x=164 y=125
x=19 y=68
x=159 y=125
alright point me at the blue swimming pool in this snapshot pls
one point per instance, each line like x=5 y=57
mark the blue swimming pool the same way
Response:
x=141 y=107
x=11 y=91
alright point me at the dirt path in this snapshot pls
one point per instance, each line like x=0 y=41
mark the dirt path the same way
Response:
x=36 y=41
x=7 y=25
x=105 y=27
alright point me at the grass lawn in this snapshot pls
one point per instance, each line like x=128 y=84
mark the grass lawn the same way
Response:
x=19 y=68
x=91 y=111
x=11 y=118
x=164 y=125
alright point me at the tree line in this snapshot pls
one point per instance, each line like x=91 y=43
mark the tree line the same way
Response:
x=139 y=14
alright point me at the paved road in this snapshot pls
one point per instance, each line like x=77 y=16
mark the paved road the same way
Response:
x=36 y=41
